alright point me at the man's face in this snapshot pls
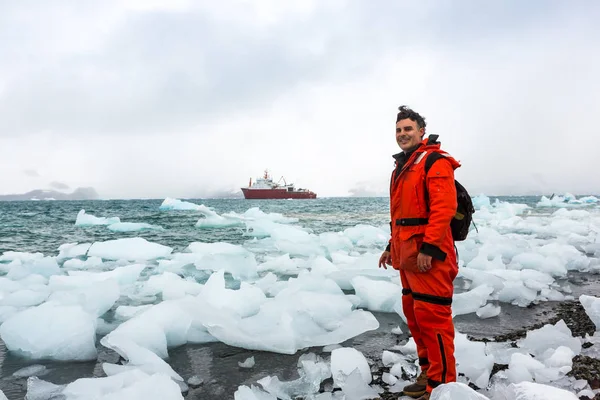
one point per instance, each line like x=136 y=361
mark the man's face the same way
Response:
x=408 y=134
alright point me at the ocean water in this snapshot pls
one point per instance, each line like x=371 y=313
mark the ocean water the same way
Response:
x=42 y=226
x=547 y=240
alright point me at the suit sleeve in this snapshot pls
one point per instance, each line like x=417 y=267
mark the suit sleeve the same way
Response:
x=442 y=207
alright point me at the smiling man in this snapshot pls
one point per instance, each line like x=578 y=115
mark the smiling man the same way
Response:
x=422 y=204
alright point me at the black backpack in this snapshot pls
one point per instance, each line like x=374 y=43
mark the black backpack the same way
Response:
x=464 y=213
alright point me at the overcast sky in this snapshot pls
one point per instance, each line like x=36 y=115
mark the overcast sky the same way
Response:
x=143 y=98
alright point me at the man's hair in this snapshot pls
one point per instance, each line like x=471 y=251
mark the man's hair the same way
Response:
x=406 y=112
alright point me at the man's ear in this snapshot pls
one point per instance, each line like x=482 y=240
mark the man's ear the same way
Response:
x=422 y=132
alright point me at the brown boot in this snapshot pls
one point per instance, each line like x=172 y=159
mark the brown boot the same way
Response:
x=418 y=388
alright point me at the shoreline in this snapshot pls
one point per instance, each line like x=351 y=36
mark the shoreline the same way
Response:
x=217 y=363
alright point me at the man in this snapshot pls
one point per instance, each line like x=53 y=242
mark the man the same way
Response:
x=422 y=248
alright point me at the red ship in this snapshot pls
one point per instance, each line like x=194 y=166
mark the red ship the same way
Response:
x=265 y=188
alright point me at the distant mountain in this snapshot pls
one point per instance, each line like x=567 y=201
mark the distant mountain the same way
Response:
x=87 y=193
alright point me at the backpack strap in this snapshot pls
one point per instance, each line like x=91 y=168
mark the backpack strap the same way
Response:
x=432 y=139
x=431 y=158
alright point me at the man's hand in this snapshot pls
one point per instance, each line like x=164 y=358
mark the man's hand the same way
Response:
x=386 y=258
x=423 y=262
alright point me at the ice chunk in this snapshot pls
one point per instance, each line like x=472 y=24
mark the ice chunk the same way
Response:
x=456 y=390
x=397 y=331
x=252 y=393
x=133 y=227
x=354 y=387
x=522 y=368
x=136 y=356
x=72 y=250
x=245 y=302
x=367 y=236
x=285 y=325
x=46 y=267
x=81 y=279
x=472 y=360
x=236 y=260
x=6 y=312
x=128 y=312
x=32 y=370
x=377 y=295
x=195 y=381
x=171 y=286
x=213 y=220
x=389 y=378
x=38 y=389
x=49 y=331
x=488 y=311
x=131 y=249
x=9 y=286
x=471 y=301
x=562 y=356
x=550 y=337
x=539 y=262
x=390 y=358
x=331 y=347
x=162 y=326
x=89 y=263
x=24 y=298
x=321 y=266
x=282 y=265
x=133 y=384
x=312 y=371
x=536 y=391
x=591 y=305
x=481 y=201
x=255 y=213
x=516 y=293
x=365 y=265
x=344 y=361
x=8 y=256
x=96 y=298
x=248 y=363
x=175 y=204
x=335 y=241
x=84 y=219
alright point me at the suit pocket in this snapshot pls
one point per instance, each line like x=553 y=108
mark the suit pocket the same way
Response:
x=409 y=251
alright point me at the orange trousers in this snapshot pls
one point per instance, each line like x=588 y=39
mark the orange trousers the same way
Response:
x=426 y=302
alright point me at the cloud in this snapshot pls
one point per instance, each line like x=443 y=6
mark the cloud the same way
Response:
x=156 y=99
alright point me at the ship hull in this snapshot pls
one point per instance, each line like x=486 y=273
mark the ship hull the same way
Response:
x=263 y=194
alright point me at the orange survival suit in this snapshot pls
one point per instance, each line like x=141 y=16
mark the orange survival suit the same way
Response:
x=421 y=223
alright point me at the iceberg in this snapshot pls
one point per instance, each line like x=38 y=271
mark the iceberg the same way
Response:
x=132 y=249
x=175 y=204
x=133 y=227
x=84 y=219
x=51 y=331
